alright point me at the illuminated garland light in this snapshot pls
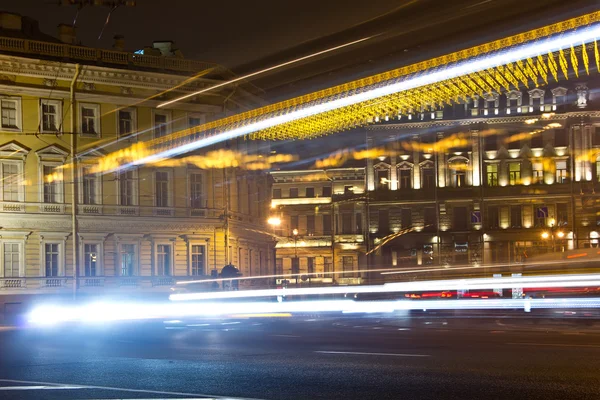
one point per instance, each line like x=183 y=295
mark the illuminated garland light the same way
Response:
x=416 y=88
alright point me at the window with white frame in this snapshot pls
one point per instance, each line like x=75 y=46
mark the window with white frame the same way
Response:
x=196 y=190
x=128 y=259
x=161 y=189
x=537 y=170
x=51 y=116
x=52 y=259
x=90 y=259
x=161 y=124
x=163 y=259
x=561 y=171
x=11 y=256
x=90 y=186
x=11 y=113
x=89 y=119
x=52 y=183
x=128 y=188
x=11 y=173
x=198 y=259
x=126 y=118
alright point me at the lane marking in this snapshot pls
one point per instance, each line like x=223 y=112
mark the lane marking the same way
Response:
x=128 y=390
x=554 y=344
x=290 y=336
x=359 y=353
x=39 y=387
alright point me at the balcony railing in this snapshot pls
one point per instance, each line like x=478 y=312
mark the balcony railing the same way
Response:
x=61 y=50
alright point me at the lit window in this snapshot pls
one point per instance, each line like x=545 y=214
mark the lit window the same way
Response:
x=52 y=191
x=492 y=175
x=51 y=115
x=561 y=171
x=514 y=173
x=89 y=117
x=11 y=113
x=128 y=259
x=537 y=172
x=90 y=259
x=405 y=178
x=89 y=186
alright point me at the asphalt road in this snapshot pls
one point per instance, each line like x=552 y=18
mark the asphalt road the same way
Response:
x=429 y=357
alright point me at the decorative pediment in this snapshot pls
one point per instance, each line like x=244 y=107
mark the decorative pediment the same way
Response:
x=52 y=152
x=14 y=150
x=426 y=164
x=405 y=165
x=514 y=95
x=537 y=93
x=91 y=155
x=381 y=166
x=559 y=91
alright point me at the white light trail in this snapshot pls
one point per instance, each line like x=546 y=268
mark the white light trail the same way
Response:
x=262 y=71
x=100 y=313
x=544 y=46
x=554 y=281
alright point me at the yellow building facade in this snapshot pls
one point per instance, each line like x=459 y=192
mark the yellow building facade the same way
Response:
x=139 y=229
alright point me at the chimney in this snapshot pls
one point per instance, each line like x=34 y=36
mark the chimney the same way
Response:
x=119 y=43
x=164 y=46
x=67 y=33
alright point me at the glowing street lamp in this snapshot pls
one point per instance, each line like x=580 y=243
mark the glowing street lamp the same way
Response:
x=545 y=235
x=274 y=221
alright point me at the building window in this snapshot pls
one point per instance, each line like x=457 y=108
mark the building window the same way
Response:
x=127 y=119
x=561 y=171
x=383 y=222
x=163 y=260
x=52 y=190
x=279 y=266
x=11 y=114
x=128 y=259
x=161 y=124
x=537 y=172
x=427 y=177
x=198 y=260
x=347 y=266
x=310 y=225
x=12 y=190
x=515 y=217
x=383 y=178
x=493 y=217
x=12 y=259
x=127 y=188
x=346 y=223
x=327 y=265
x=562 y=214
x=326 y=224
x=195 y=120
x=405 y=178
x=295 y=265
x=51 y=259
x=90 y=185
x=429 y=218
x=541 y=213
x=310 y=265
x=90 y=259
x=458 y=172
x=514 y=173
x=326 y=191
x=460 y=222
x=89 y=117
x=293 y=192
x=293 y=222
x=492 y=174
x=51 y=115
x=276 y=193
x=196 y=191
x=161 y=188
x=310 y=192
x=406 y=218
x=359 y=223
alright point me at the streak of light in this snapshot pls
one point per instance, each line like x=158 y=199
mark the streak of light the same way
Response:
x=461 y=69
x=103 y=312
x=587 y=280
x=262 y=71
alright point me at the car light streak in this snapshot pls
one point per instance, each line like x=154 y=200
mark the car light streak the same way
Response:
x=587 y=280
x=504 y=57
x=100 y=313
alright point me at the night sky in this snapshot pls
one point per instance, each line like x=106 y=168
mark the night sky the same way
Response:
x=227 y=32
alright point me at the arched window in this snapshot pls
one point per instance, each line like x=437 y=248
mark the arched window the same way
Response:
x=458 y=167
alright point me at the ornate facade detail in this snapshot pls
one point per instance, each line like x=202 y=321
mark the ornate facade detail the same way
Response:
x=582 y=95
x=126 y=90
x=50 y=82
x=89 y=86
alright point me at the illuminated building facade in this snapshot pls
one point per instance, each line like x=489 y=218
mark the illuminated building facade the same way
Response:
x=139 y=229
x=497 y=179
x=316 y=233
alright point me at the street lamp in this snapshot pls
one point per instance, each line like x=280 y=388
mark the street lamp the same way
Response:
x=552 y=234
x=274 y=222
x=296 y=261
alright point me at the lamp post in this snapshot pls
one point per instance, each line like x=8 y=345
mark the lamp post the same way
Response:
x=554 y=233
x=274 y=222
